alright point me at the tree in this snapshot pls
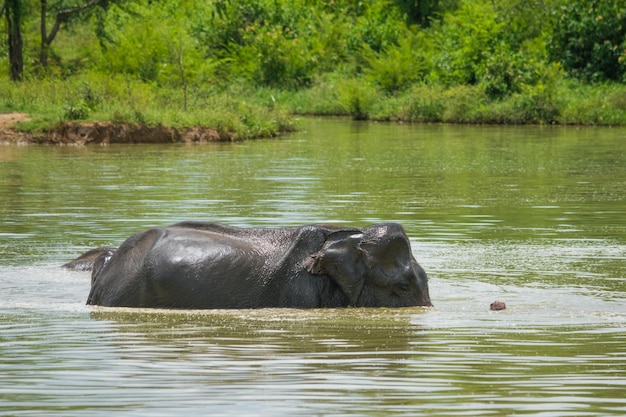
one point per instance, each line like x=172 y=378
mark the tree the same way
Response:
x=13 y=12
x=423 y=11
x=62 y=14
x=590 y=40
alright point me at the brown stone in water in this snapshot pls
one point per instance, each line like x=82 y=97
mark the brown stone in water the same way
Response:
x=497 y=305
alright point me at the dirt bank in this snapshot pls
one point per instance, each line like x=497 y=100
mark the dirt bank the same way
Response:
x=75 y=133
x=106 y=133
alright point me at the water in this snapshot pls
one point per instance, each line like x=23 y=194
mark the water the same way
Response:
x=532 y=216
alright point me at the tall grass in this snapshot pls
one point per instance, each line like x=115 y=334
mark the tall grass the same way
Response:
x=565 y=102
x=243 y=112
x=95 y=97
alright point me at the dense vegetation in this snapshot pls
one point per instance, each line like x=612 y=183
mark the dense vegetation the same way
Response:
x=244 y=65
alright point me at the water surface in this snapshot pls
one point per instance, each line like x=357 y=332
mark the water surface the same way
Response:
x=533 y=216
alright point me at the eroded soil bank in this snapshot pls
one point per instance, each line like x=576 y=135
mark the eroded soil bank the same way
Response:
x=78 y=133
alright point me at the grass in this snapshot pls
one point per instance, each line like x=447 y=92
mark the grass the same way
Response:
x=120 y=100
x=247 y=113
x=563 y=102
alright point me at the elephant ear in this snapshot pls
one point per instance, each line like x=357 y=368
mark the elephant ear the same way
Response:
x=100 y=262
x=342 y=259
x=387 y=250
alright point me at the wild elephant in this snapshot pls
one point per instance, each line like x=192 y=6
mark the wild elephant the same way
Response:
x=195 y=265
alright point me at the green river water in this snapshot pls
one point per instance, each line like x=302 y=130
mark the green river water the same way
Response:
x=532 y=216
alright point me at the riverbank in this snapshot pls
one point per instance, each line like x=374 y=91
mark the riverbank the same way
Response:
x=246 y=69
x=104 y=133
x=107 y=133
x=91 y=109
x=8 y=132
x=562 y=102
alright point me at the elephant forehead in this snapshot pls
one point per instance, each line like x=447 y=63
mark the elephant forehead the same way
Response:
x=385 y=231
x=377 y=232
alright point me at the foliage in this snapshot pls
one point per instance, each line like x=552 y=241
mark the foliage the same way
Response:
x=526 y=20
x=598 y=105
x=466 y=39
x=273 y=57
x=506 y=72
x=357 y=98
x=76 y=111
x=287 y=43
x=398 y=66
x=425 y=105
x=234 y=63
x=423 y=12
x=124 y=100
x=590 y=40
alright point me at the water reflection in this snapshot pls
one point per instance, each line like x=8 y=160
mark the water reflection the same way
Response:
x=441 y=182
x=271 y=331
x=303 y=362
x=533 y=216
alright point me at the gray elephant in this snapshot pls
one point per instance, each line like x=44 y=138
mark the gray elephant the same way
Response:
x=196 y=265
x=86 y=261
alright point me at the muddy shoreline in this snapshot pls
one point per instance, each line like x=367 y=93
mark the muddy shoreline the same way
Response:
x=104 y=133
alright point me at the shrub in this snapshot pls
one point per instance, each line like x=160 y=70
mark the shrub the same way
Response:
x=357 y=98
x=426 y=104
x=276 y=57
x=465 y=39
x=590 y=40
x=322 y=98
x=398 y=66
x=597 y=105
x=77 y=111
x=535 y=105
x=505 y=72
x=463 y=104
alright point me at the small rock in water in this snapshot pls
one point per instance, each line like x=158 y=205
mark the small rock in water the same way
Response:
x=497 y=305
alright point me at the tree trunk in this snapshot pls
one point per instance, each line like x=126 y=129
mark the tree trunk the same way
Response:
x=61 y=17
x=13 y=15
x=43 y=52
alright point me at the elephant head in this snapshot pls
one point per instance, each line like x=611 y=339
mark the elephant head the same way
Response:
x=373 y=267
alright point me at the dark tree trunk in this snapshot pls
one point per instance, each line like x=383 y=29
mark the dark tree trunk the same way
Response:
x=61 y=17
x=13 y=13
x=45 y=44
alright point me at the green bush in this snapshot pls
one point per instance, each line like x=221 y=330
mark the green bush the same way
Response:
x=590 y=39
x=275 y=57
x=322 y=98
x=357 y=98
x=505 y=72
x=426 y=104
x=463 y=104
x=465 y=39
x=399 y=66
x=598 y=105
x=78 y=111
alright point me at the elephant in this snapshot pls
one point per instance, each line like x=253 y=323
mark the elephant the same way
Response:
x=195 y=265
x=85 y=262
